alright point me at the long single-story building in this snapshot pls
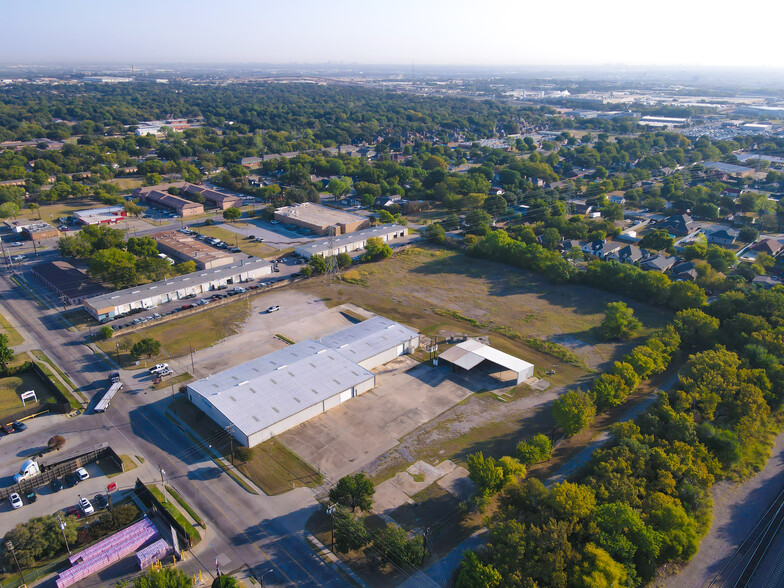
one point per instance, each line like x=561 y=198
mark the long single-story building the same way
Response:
x=33 y=230
x=351 y=242
x=185 y=248
x=215 y=198
x=273 y=393
x=109 y=306
x=67 y=282
x=181 y=206
x=322 y=220
x=469 y=354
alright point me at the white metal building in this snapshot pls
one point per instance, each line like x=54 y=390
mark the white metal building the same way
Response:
x=469 y=354
x=373 y=342
x=273 y=393
x=349 y=242
x=108 y=306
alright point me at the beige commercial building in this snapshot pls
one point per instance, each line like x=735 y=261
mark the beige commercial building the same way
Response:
x=322 y=220
x=181 y=206
x=184 y=248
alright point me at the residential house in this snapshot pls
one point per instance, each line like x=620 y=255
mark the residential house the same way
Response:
x=722 y=236
x=770 y=246
x=679 y=225
x=579 y=206
x=616 y=199
x=766 y=282
x=685 y=271
x=659 y=263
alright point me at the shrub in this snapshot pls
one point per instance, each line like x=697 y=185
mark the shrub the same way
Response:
x=244 y=454
x=105 y=332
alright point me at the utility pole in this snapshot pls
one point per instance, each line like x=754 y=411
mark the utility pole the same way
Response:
x=35 y=249
x=10 y=547
x=64 y=300
x=231 y=443
x=163 y=485
x=193 y=369
x=62 y=528
x=117 y=347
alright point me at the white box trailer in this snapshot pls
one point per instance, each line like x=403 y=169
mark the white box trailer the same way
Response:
x=104 y=402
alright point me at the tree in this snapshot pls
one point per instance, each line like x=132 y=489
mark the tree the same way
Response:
x=56 y=443
x=695 y=328
x=132 y=207
x=244 y=454
x=339 y=187
x=9 y=209
x=6 y=353
x=152 y=268
x=105 y=332
x=393 y=545
x=572 y=502
x=350 y=532
x=619 y=322
x=343 y=260
x=185 y=267
x=385 y=217
x=495 y=205
x=225 y=581
x=38 y=539
x=537 y=449
x=232 y=213
x=152 y=179
x=434 y=233
x=657 y=240
x=599 y=570
x=573 y=411
x=115 y=266
x=164 y=578
x=147 y=346
x=142 y=246
x=353 y=491
x=748 y=234
x=474 y=574
x=375 y=250
x=318 y=264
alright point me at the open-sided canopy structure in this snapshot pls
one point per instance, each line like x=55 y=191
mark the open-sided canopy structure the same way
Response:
x=469 y=354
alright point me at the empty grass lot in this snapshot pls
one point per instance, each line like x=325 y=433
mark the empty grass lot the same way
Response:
x=246 y=244
x=484 y=296
x=12 y=387
x=200 y=330
x=14 y=338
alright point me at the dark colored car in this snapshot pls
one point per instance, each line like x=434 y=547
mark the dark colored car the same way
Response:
x=100 y=501
x=31 y=497
x=71 y=480
x=57 y=485
x=19 y=426
x=73 y=511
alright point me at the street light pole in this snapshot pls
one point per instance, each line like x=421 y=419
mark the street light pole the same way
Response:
x=117 y=347
x=261 y=580
x=62 y=528
x=163 y=485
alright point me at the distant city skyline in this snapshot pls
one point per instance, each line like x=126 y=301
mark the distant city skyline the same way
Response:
x=493 y=32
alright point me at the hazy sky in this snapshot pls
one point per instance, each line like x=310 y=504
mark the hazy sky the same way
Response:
x=480 y=32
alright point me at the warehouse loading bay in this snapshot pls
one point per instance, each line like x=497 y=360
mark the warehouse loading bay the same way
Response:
x=407 y=394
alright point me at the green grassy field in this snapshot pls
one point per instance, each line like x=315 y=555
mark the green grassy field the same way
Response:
x=14 y=338
x=244 y=243
x=51 y=213
x=12 y=387
x=199 y=330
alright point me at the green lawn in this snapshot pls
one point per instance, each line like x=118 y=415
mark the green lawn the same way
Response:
x=14 y=338
x=246 y=244
x=12 y=387
x=199 y=330
x=178 y=379
x=51 y=213
x=169 y=505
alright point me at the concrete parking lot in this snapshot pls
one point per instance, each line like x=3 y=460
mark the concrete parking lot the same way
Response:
x=351 y=435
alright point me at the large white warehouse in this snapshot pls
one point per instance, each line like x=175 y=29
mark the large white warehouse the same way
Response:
x=273 y=393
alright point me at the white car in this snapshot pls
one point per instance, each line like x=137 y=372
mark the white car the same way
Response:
x=86 y=507
x=16 y=501
x=274 y=222
x=273 y=308
x=82 y=473
x=166 y=372
x=158 y=367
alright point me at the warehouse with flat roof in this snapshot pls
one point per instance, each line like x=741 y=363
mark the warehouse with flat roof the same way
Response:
x=109 y=215
x=322 y=220
x=67 y=282
x=184 y=248
x=330 y=246
x=278 y=391
x=109 y=306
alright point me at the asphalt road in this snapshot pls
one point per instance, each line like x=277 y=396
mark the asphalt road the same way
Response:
x=242 y=529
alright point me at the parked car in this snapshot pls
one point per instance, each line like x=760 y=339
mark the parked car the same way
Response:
x=15 y=500
x=274 y=222
x=158 y=366
x=202 y=302
x=82 y=473
x=100 y=501
x=56 y=484
x=235 y=249
x=73 y=511
x=71 y=480
x=222 y=287
x=273 y=308
x=31 y=496
x=164 y=373
x=86 y=506
x=7 y=429
x=186 y=306
x=189 y=296
x=19 y=426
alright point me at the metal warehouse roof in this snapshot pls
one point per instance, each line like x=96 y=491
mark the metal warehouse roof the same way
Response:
x=471 y=353
x=321 y=245
x=727 y=167
x=270 y=388
x=362 y=340
x=177 y=283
